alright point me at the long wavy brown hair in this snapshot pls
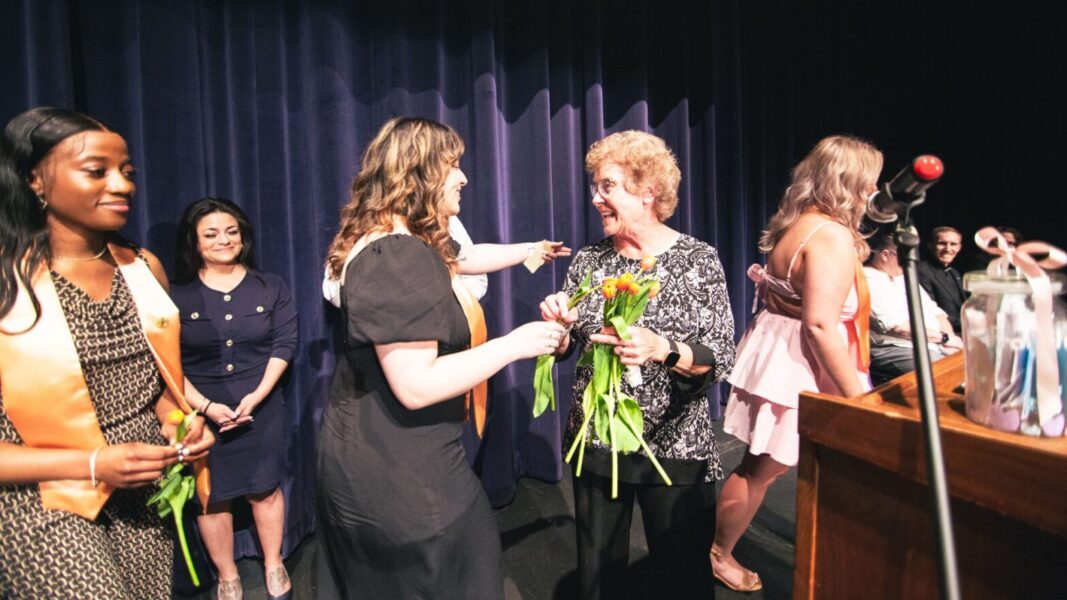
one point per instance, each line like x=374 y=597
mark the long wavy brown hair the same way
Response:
x=833 y=178
x=402 y=176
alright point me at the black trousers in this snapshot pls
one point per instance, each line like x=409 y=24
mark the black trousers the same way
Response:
x=679 y=525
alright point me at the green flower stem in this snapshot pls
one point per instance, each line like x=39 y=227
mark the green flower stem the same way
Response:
x=614 y=457
x=648 y=452
x=176 y=508
x=581 y=454
x=578 y=441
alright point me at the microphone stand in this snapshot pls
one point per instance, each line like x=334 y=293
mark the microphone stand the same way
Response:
x=906 y=237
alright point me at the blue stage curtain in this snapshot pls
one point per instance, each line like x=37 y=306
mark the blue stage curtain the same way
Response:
x=270 y=103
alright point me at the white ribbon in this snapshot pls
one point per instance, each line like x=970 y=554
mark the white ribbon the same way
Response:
x=1049 y=403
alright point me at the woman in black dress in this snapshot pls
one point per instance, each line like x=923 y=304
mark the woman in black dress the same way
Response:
x=86 y=330
x=401 y=515
x=239 y=332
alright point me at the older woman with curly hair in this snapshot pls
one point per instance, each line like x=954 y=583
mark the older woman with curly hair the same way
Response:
x=684 y=340
x=811 y=334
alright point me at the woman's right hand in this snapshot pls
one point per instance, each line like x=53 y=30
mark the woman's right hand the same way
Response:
x=554 y=308
x=133 y=464
x=536 y=338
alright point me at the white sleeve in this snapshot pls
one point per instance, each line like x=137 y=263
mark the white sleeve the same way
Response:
x=477 y=284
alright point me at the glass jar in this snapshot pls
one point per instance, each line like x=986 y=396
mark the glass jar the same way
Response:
x=1000 y=354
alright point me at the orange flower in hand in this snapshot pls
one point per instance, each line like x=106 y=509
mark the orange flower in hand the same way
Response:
x=609 y=289
x=648 y=263
x=626 y=283
x=653 y=290
x=175 y=416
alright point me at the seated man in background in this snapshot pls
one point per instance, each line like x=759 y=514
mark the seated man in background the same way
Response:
x=892 y=353
x=938 y=277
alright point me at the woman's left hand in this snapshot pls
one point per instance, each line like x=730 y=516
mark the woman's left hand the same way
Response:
x=198 y=439
x=243 y=413
x=643 y=345
x=554 y=250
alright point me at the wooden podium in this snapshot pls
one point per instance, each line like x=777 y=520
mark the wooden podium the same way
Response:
x=864 y=528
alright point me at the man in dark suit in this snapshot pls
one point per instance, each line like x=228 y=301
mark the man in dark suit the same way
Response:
x=937 y=276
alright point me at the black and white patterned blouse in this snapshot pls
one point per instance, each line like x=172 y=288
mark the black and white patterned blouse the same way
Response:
x=692 y=307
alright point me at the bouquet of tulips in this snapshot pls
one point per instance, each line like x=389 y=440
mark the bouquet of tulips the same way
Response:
x=617 y=418
x=176 y=488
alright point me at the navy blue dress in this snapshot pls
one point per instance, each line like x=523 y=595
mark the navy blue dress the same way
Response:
x=227 y=340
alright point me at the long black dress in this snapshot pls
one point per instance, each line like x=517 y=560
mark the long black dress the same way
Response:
x=401 y=515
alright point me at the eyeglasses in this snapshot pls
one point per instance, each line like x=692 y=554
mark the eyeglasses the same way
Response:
x=603 y=187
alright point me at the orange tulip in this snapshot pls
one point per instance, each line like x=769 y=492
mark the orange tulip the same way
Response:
x=652 y=291
x=175 y=416
x=648 y=263
x=609 y=290
x=626 y=283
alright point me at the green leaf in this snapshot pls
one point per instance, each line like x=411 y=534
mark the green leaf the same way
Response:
x=620 y=327
x=602 y=421
x=168 y=485
x=544 y=386
x=584 y=289
x=602 y=355
x=633 y=313
x=183 y=427
x=627 y=440
x=586 y=359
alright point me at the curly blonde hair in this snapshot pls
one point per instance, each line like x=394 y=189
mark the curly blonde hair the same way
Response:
x=647 y=161
x=402 y=175
x=833 y=178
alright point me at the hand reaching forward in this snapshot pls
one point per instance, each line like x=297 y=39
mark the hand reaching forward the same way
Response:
x=536 y=338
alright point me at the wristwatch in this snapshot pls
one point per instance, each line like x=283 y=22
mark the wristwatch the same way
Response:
x=944 y=338
x=672 y=357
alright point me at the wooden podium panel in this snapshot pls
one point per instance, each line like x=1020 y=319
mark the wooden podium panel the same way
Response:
x=864 y=526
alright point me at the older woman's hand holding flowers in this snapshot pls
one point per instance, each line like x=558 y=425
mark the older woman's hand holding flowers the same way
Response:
x=643 y=345
x=616 y=416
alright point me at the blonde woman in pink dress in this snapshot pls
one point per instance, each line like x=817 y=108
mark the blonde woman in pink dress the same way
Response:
x=810 y=335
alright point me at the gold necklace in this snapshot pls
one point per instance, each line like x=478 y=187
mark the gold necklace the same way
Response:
x=83 y=258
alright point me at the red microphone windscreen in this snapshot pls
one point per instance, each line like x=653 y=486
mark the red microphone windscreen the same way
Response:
x=927 y=167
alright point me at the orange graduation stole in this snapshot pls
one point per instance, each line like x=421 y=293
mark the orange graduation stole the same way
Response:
x=476 y=398
x=44 y=391
x=862 y=321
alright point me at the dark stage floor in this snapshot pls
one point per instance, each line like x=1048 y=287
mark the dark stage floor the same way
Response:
x=537 y=532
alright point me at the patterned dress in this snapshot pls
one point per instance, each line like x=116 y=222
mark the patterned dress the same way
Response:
x=692 y=307
x=127 y=552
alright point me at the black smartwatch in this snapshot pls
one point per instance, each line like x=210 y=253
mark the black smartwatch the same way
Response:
x=672 y=357
x=944 y=338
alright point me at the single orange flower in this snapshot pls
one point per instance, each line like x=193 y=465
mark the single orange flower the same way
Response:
x=175 y=416
x=647 y=263
x=653 y=290
x=626 y=283
x=609 y=289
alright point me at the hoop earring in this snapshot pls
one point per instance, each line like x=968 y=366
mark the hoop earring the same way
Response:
x=44 y=203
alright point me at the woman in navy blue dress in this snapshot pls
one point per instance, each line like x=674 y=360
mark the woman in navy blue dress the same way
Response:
x=239 y=332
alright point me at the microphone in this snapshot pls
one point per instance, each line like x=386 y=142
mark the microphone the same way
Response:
x=905 y=190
